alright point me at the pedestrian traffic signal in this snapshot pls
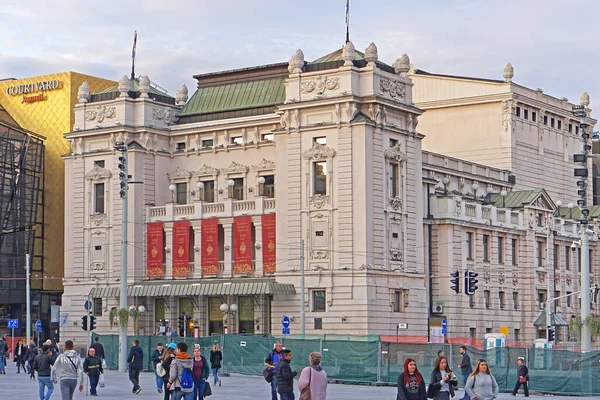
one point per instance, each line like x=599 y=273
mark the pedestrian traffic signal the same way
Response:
x=470 y=282
x=550 y=335
x=92 y=322
x=123 y=176
x=455 y=284
x=84 y=322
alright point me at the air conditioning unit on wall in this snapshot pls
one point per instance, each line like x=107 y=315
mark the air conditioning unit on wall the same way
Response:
x=437 y=309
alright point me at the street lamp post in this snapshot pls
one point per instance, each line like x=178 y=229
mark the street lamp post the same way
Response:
x=225 y=309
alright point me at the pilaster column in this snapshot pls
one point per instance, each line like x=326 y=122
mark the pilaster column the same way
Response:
x=168 y=245
x=228 y=247
x=197 y=227
x=258 y=259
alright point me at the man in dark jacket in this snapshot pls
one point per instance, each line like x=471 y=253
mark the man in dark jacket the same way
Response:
x=92 y=366
x=522 y=377
x=30 y=356
x=98 y=348
x=465 y=368
x=285 y=376
x=136 y=364
x=271 y=362
x=3 y=352
x=156 y=358
x=19 y=357
x=43 y=366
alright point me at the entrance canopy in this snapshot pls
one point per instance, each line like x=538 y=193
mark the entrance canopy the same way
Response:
x=555 y=320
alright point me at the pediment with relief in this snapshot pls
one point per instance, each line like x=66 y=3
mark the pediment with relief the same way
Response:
x=97 y=173
x=395 y=153
x=179 y=173
x=206 y=170
x=543 y=201
x=264 y=164
x=319 y=151
x=235 y=167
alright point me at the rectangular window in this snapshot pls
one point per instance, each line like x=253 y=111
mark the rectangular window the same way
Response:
x=318 y=323
x=318 y=301
x=322 y=140
x=516 y=300
x=159 y=309
x=576 y=130
x=207 y=143
x=236 y=140
x=556 y=255
x=500 y=250
x=267 y=137
x=545 y=120
x=518 y=111
x=399 y=301
x=99 y=163
x=513 y=252
x=559 y=124
x=472 y=333
x=238 y=189
x=540 y=218
x=557 y=301
x=209 y=191
x=533 y=116
x=393 y=142
x=567 y=258
x=486 y=248
x=99 y=198
x=541 y=334
x=501 y=297
x=570 y=128
x=591 y=260
x=552 y=122
x=486 y=296
x=469 y=246
x=97 y=306
x=526 y=114
x=320 y=178
x=393 y=180
x=181 y=193
x=517 y=333
x=488 y=330
x=542 y=298
x=471 y=300
x=579 y=259
x=540 y=253
x=568 y=299
x=181 y=146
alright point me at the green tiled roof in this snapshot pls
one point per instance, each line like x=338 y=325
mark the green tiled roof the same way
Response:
x=337 y=56
x=574 y=213
x=515 y=199
x=134 y=87
x=236 y=96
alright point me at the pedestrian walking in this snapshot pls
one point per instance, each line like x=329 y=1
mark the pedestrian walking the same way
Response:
x=481 y=384
x=216 y=358
x=271 y=362
x=68 y=369
x=181 y=377
x=166 y=360
x=285 y=376
x=30 y=356
x=443 y=381
x=465 y=368
x=19 y=356
x=98 y=348
x=92 y=366
x=3 y=353
x=411 y=385
x=43 y=366
x=201 y=373
x=156 y=358
x=314 y=378
x=522 y=377
x=136 y=364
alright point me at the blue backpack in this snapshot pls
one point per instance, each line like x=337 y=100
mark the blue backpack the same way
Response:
x=187 y=379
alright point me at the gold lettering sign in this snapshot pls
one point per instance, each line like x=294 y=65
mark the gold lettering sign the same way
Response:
x=33 y=87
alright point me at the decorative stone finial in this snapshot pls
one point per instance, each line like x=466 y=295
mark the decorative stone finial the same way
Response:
x=296 y=62
x=182 y=95
x=124 y=86
x=371 y=54
x=402 y=65
x=144 y=86
x=84 y=93
x=348 y=54
x=585 y=99
x=509 y=72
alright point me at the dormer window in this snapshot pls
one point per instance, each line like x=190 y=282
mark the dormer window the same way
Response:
x=267 y=137
x=237 y=140
x=181 y=146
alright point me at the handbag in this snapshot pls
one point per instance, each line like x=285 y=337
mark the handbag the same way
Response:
x=101 y=381
x=305 y=393
x=268 y=374
x=207 y=389
x=522 y=379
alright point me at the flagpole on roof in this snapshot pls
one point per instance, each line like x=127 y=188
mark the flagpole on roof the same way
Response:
x=133 y=55
x=347 y=21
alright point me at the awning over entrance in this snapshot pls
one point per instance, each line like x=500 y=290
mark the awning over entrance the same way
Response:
x=554 y=319
x=197 y=289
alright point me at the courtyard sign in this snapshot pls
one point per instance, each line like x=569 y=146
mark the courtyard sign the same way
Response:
x=33 y=87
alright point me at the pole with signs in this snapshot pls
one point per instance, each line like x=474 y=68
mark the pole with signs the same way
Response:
x=28 y=299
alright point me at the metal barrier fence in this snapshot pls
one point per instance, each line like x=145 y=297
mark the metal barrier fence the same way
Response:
x=366 y=359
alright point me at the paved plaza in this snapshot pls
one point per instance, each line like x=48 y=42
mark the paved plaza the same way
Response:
x=235 y=387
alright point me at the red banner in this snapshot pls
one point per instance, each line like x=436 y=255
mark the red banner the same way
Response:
x=154 y=250
x=242 y=245
x=181 y=247
x=210 y=246
x=269 y=238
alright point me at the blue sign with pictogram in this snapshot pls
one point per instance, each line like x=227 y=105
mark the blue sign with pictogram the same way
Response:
x=444 y=326
x=38 y=326
x=285 y=321
x=13 y=324
x=285 y=331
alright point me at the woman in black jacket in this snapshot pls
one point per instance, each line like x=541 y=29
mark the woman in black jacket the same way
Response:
x=215 y=362
x=30 y=356
x=166 y=360
x=411 y=385
x=522 y=377
x=443 y=381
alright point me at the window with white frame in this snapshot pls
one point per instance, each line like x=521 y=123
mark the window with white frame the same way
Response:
x=320 y=178
x=394 y=179
x=99 y=201
x=181 y=193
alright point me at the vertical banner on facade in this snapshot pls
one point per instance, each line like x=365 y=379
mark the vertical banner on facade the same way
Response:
x=181 y=246
x=210 y=246
x=154 y=249
x=242 y=245
x=269 y=253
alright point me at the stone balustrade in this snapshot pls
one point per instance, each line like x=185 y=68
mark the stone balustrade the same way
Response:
x=201 y=210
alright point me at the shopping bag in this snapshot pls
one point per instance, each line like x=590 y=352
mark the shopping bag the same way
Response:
x=207 y=389
x=101 y=381
x=104 y=366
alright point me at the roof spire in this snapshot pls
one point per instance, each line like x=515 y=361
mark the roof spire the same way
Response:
x=347 y=21
x=133 y=55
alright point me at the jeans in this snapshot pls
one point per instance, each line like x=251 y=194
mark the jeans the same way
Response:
x=465 y=377
x=67 y=388
x=198 y=389
x=134 y=377
x=159 y=381
x=287 y=396
x=518 y=385
x=20 y=363
x=30 y=367
x=43 y=383
x=274 y=387
x=215 y=372
x=179 y=395
x=94 y=383
x=2 y=364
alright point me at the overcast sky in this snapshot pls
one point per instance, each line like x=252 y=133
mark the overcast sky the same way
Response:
x=552 y=44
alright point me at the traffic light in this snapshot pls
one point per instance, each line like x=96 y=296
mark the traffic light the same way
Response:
x=92 y=322
x=550 y=335
x=455 y=285
x=180 y=322
x=84 y=322
x=595 y=290
x=470 y=282
x=123 y=176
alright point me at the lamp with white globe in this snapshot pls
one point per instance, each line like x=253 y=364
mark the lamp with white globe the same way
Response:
x=200 y=186
x=445 y=182
x=226 y=309
x=230 y=184
x=261 y=186
x=503 y=193
x=475 y=187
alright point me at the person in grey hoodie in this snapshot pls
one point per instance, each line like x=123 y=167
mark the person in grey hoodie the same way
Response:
x=182 y=361
x=68 y=367
x=481 y=385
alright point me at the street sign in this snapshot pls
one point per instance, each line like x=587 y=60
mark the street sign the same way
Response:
x=38 y=326
x=402 y=325
x=64 y=320
x=285 y=331
x=87 y=305
x=444 y=326
x=13 y=324
x=285 y=321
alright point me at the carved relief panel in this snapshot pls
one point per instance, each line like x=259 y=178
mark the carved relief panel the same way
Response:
x=97 y=252
x=320 y=236
x=396 y=240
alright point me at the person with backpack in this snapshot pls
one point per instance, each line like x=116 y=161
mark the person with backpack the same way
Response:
x=181 y=377
x=3 y=352
x=68 y=368
x=43 y=366
x=271 y=362
x=92 y=366
x=136 y=364
x=156 y=356
x=164 y=367
x=30 y=355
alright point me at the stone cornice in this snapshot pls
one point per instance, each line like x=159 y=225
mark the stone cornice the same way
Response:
x=465 y=101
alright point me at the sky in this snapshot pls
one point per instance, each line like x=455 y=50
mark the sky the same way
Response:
x=552 y=44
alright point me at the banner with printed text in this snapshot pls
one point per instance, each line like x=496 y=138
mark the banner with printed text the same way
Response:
x=154 y=250
x=269 y=238
x=242 y=245
x=210 y=246
x=181 y=247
